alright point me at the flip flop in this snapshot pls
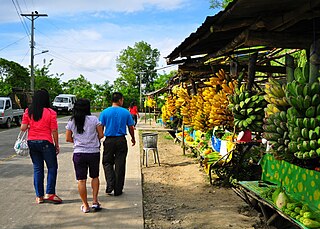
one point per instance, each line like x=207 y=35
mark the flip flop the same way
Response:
x=53 y=199
x=96 y=206
x=84 y=211
x=39 y=200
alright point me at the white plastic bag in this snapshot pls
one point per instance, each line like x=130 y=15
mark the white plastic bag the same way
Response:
x=21 y=144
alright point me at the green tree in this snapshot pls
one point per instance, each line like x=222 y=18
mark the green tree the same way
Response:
x=130 y=93
x=136 y=66
x=162 y=80
x=5 y=88
x=103 y=95
x=13 y=75
x=218 y=4
x=43 y=79
x=80 y=87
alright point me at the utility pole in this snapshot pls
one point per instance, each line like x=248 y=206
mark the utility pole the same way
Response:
x=140 y=90
x=33 y=16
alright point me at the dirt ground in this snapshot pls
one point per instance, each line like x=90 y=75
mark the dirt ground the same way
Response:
x=178 y=194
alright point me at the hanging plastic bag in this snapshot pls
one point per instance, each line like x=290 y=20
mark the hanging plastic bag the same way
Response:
x=21 y=144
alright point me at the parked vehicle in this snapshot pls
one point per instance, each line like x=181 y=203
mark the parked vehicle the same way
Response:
x=64 y=103
x=8 y=114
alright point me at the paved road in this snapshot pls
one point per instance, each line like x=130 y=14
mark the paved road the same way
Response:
x=8 y=138
x=18 y=208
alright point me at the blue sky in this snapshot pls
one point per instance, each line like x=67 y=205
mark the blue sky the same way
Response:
x=85 y=37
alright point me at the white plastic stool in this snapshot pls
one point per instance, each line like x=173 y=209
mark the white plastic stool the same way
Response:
x=150 y=143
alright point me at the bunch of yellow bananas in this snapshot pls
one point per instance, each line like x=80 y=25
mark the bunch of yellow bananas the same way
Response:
x=205 y=110
x=168 y=109
x=220 y=114
x=217 y=79
x=189 y=110
x=200 y=120
x=217 y=101
x=275 y=96
x=182 y=96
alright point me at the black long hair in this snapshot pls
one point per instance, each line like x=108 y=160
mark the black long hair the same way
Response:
x=80 y=111
x=132 y=104
x=40 y=100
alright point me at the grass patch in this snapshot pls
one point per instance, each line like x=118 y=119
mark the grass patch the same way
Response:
x=168 y=137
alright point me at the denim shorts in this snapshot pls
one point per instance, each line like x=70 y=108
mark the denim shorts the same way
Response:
x=84 y=161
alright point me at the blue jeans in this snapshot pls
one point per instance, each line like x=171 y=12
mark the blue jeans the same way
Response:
x=41 y=151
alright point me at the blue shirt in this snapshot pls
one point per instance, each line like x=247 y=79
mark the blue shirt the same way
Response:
x=116 y=120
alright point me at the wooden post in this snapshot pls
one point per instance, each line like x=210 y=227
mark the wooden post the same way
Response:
x=289 y=68
x=269 y=74
x=314 y=61
x=149 y=116
x=183 y=145
x=252 y=70
x=145 y=114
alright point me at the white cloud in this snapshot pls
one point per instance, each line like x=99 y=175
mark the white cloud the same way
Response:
x=57 y=7
x=91 y=47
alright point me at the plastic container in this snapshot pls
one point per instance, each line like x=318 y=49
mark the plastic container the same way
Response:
x=149 y=140
x=216 y=143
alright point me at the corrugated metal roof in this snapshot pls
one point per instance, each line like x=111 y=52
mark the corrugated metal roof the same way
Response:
x=244 y=23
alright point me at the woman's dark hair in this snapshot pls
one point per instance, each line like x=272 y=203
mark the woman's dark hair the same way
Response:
x=132 y=104
x=40 y=100
x=80 y=111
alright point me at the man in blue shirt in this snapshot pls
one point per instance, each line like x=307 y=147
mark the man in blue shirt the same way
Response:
x=116 y=119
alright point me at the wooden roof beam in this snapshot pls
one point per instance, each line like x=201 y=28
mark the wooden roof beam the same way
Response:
x=277 y=39
x=306 y=11
x=234 y=44
x=269 y=39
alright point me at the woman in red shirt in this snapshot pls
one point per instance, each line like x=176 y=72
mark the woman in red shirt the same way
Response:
x=42 y=126
x=134 y=112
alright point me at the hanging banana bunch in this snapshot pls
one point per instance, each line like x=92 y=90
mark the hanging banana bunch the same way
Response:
x=189 y=110
x=275 y=124
x=303 y=94
x=216 y=100
x=200 y=120
x=275 y=96
x=248 y=109
x=168 y=109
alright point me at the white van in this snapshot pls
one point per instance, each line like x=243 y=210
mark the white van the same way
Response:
x=64 y=102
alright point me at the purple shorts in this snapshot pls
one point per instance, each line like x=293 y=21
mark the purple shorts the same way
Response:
x=83 y=161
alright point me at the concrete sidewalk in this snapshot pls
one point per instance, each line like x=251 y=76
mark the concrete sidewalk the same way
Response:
x=18 y=208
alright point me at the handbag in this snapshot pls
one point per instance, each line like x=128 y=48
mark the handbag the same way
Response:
x=21 y=144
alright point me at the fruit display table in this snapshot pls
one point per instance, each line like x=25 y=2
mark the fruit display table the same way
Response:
x=251 y=193
x=301 y=186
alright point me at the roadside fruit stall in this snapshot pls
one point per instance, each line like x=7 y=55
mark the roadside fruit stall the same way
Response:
x=245 y=72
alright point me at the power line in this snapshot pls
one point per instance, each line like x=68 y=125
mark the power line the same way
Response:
x=25 y=5
x=169 y=66
x=24 y=57
x=13 y=43
x=21 y=19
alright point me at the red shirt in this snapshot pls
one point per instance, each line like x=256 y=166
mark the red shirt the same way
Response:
x=41 y=129
x=133 y=110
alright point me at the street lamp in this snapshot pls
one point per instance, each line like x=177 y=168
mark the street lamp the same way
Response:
x=44 y=51
x=140 y=87
x=32 y=69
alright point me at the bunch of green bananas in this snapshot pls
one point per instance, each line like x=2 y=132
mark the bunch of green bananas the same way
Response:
x=248 y=109
x=276 y=132
x=304 y=115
